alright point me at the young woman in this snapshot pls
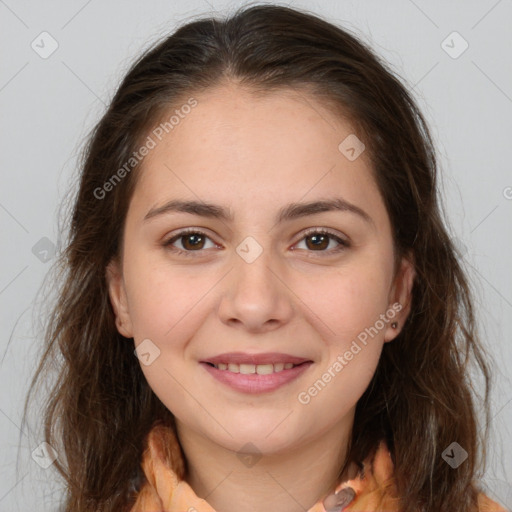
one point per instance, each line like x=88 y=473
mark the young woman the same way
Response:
x=262 y=308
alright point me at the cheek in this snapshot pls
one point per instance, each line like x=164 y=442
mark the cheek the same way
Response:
x=348 y=306
x=165 y=300
x=344 y=302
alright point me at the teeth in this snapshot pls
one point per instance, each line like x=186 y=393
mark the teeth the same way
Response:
x=260 y=369
x=247 y=368
x=264 y=369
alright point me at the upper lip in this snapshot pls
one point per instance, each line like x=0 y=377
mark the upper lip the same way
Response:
x=264 y=358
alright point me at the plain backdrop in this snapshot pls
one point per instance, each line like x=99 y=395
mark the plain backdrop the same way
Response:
x=53 y=92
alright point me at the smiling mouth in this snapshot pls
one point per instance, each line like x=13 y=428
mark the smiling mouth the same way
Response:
x=248 y=369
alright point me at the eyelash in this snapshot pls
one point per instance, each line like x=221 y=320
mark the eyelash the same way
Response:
x=343 y=244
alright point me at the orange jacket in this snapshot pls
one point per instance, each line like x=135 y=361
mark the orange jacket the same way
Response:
x=372 y=490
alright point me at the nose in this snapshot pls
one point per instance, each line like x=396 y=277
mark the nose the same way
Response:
x=256 y=297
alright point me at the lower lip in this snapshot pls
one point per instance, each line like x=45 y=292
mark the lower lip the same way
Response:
x=254 y=383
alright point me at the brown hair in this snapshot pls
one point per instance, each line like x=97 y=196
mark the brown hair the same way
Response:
x=420 y=399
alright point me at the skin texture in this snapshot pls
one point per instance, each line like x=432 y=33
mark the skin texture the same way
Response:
x=254 y=155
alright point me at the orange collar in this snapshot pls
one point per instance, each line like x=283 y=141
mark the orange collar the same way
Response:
x=373 y=489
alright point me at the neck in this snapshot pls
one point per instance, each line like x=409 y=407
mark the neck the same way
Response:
x=292 y=480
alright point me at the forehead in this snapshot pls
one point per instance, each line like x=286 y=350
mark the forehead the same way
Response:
x=275 y=121
x=240 y=146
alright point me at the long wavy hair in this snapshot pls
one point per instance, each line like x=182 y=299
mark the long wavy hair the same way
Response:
x=421 y=398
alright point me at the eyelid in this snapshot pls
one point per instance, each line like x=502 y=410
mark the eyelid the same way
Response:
x=167 y=243
x=327 y=231
x=342 y=240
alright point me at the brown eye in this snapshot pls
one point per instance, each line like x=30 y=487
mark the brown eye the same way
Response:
x=193 y=241
x=190 y=241
x=318 y=240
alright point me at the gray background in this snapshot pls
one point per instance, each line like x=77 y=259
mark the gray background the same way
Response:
x=49 y=104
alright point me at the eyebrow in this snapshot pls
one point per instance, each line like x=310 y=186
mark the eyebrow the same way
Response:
x=289 y=212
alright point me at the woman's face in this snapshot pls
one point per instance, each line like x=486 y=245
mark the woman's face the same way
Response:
x=255 y=285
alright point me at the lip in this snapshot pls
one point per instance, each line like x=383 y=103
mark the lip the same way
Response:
x=264 y=358
x=255 y=383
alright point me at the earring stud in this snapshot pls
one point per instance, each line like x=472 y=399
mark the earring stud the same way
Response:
x=394 y=325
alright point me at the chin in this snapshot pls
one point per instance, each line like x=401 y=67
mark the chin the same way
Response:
x=260 y=439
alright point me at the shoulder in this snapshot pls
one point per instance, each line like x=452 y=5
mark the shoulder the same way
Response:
x=376 y=488
x=485 y=504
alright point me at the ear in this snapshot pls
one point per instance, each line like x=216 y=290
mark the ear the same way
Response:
x=118 y=299
x=400 y=297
